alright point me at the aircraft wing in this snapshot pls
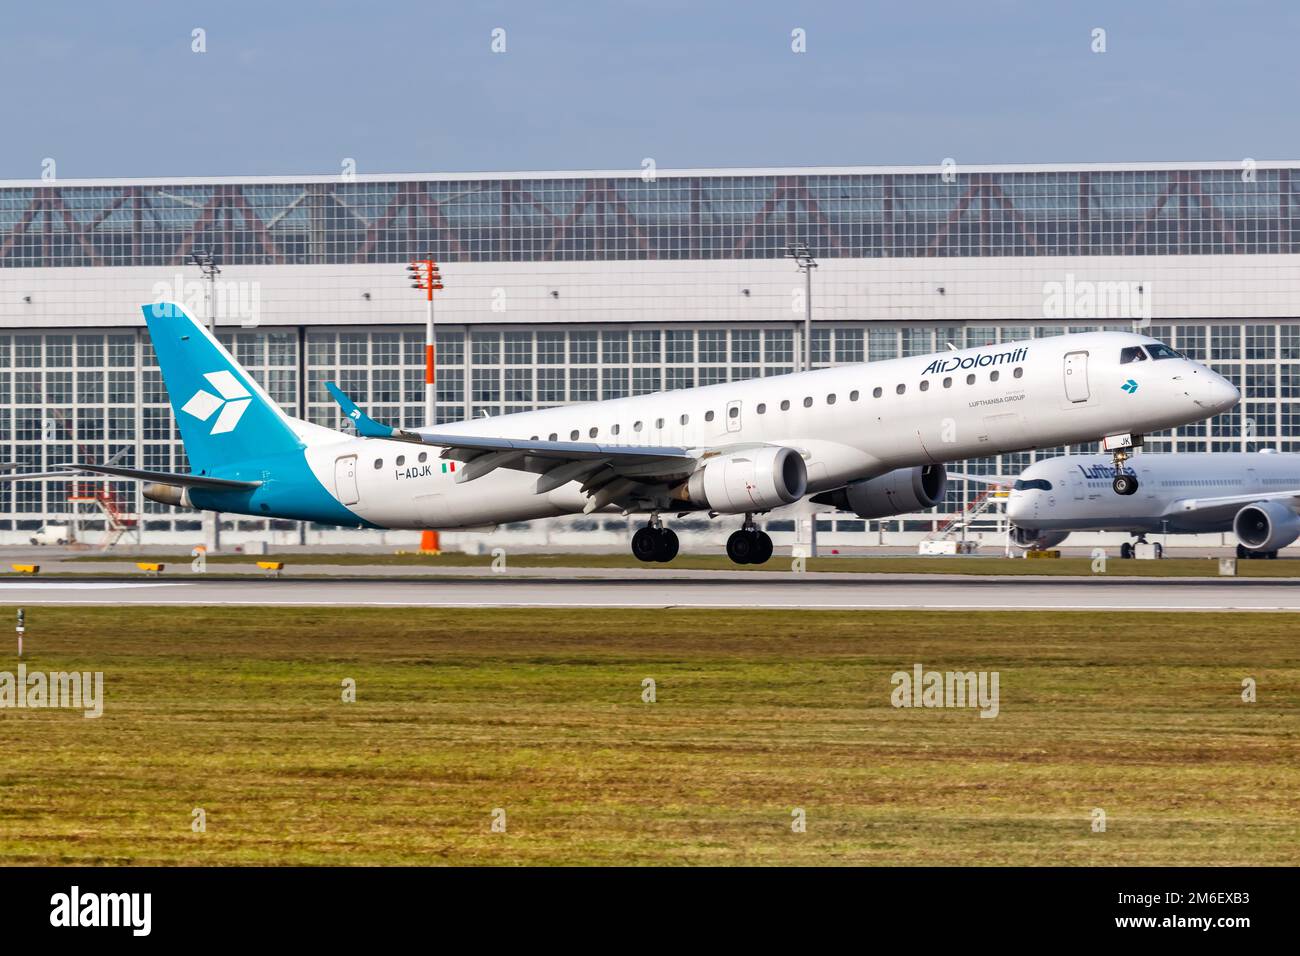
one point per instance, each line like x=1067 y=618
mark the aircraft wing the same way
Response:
x=1007 y=480
x=1230 y=503
x=594 y=463
x=112 y=471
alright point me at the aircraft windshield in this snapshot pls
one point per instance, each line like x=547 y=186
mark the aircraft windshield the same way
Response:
x=1037 y=484
x=1160 y=351
x=1133 y=353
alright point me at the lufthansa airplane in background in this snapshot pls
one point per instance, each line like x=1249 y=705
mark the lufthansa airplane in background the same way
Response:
x=1253 y=495
x=868 y=438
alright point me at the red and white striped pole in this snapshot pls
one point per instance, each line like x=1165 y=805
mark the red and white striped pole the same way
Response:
x=425 y=276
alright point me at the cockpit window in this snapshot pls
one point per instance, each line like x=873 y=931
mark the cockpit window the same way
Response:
x=1133 y=353
x=1160 y=351
x=1033 y=484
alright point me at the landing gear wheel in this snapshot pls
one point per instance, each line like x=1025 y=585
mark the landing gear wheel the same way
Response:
x=743 y=547
x=764 y=551
x=645 y=544
x=1126 y=550
x=1124 y=484
x=665 y=545
x=1160 y=550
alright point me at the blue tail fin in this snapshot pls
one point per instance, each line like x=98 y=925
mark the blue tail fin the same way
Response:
x=224 y=416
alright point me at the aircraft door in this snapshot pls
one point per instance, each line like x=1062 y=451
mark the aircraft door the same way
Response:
x=345 y=479
x=733 y=416
x=1076 y=376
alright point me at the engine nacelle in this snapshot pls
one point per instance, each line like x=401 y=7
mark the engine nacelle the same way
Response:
x=1266 y=526
x=899 y=492
x=167 y=494
x=755 y=479
x=1029 y=540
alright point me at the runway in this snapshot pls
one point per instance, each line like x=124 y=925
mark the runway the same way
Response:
x=718 y=590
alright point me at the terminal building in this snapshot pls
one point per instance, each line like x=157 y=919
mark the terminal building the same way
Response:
x=579 y=286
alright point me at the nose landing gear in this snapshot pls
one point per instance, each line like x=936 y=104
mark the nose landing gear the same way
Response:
x=749 y=545
x=654 y=542
x=1120 y=447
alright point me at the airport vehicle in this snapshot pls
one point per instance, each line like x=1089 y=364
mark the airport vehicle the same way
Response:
x=868 y=438
x=1253 y=495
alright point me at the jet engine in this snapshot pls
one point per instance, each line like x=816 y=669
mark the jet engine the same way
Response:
x=167 y=494
x=753 y=479
x=1266 y=526
x=899 y=492
x=1029 y=540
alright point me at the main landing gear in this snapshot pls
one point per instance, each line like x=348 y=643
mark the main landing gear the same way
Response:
x=749 y=545
x=654 y=542
x=1127 y=550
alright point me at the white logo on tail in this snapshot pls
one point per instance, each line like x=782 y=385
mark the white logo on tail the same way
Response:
x=234 y=400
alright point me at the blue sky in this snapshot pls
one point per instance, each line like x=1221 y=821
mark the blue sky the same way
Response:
x=114 y=89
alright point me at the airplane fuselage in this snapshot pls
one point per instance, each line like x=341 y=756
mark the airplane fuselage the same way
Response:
x=848 y=423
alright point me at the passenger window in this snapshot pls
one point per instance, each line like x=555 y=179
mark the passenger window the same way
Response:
x=901 y=389
x=762 y=408
x=733 y=411
x=1133 y=353
x=708 y=416
x=552 y=437
x=659 y=423
x=925 y=385
x=573 y=435
x=636 y=426
x=807 y=402
x=853 y=395
x=1018 y=373
x=613 y=430
x=970 y=379
x=830 y=399
x=401 y=460
x=877 y=392
x=993 y=375
x=785 y=405
x=593 y=431
x=947 y=382
x=685 y=419
x=424 y=456
x=379 y=463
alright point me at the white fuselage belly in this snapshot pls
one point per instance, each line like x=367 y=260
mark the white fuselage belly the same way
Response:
x=1081 y=498
x=842 y=441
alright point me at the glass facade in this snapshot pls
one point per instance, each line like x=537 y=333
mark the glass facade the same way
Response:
x=96 y=395
x=674 y=216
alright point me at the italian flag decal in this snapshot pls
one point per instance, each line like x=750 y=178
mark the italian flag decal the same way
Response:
x=448 y=466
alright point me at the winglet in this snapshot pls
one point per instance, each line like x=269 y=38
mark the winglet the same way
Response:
x=366 y=426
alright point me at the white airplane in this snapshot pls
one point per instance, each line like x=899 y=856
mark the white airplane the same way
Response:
x=1253 y=495
x=866 y=438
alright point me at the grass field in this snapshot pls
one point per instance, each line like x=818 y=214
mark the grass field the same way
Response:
x=1169 y=567
x=238 y=711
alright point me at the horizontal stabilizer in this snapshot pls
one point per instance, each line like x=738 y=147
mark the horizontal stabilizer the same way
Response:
x=163 y=477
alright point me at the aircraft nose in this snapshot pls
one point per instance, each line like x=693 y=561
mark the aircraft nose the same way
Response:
x=1216 y=393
